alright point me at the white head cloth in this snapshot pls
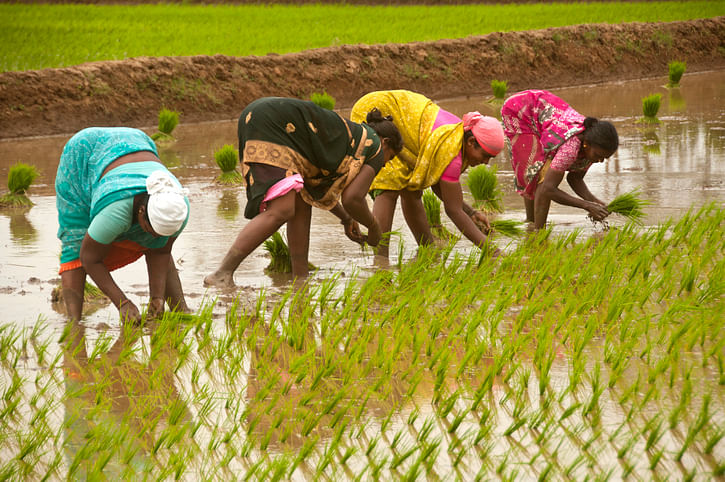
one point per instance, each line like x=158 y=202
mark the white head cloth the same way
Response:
x=167 y=207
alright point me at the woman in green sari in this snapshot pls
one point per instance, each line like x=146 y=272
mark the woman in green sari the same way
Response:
x=295 y=155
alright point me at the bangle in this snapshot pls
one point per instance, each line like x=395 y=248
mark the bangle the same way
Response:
x=121 y=303
x=347 y=221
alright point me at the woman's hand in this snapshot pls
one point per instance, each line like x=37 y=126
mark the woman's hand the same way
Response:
x=128 y=311
x=481 y=221
x=352 y=231
x=597 y=211
x=374 y=234
x=155 y=308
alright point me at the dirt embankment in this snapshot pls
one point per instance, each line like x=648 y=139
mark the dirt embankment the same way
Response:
x=202 y=88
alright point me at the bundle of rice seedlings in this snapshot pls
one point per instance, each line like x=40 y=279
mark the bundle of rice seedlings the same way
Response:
x=484 y=188
x=650 y=107
x=20 y=177
x=280 y=261
x=629 y=205
x=168 y=120
x=499 y=88
x=323 y=99
x=676 y=69
x=226 y=158
x=432 y=206
x=507 y=227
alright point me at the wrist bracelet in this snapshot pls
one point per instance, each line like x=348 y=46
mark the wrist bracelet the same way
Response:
x=347 y=221
x=120 y=303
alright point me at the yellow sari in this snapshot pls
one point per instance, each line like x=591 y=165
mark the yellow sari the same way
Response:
x=425 y=154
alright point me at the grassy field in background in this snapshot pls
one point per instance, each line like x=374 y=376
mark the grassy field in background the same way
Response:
x=40 y=36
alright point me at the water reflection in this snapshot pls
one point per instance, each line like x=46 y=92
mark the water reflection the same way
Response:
x=228 y=207
x=112 y=397
x=675 y=100
x=651 y=141
x=22 y=231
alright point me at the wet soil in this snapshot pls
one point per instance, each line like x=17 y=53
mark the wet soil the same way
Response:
x=205 y=88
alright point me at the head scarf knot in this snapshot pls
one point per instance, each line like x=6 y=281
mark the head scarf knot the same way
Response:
x=487 y=131
x=167 y=207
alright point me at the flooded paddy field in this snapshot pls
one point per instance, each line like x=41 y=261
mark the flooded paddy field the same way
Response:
x=582 y=354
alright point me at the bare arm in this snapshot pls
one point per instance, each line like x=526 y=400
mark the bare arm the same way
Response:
x=576 y=182
x=92 y=255
x=352 y=228
x=157 y=265
x=480 y=219
x=452 y=196
x=353 y=201
x=549 y=191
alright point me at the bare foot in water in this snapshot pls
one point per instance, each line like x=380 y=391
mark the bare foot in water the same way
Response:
x=219 y=280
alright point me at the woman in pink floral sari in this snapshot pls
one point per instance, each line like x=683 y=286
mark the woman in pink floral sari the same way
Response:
x=548 y=139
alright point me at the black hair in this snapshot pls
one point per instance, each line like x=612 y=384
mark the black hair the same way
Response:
x=601 y=133
x=385 y=128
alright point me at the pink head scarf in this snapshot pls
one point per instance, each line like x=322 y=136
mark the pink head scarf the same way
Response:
x=487 y=131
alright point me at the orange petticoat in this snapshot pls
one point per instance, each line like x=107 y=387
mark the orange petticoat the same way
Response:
x=121 y=253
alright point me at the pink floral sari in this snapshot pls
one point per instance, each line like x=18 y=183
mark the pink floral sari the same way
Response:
x=541 y=127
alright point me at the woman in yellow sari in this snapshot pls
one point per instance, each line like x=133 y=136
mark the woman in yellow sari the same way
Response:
x=437 y=147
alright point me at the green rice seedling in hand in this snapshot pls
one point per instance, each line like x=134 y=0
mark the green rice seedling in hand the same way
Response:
x=676 y=69
x=650 y=107
x=323 y=99
x=484 y=188
x=507 y=227
x=168 y=120
x=279 y=252
x=629 y=205
x=226 y=157
x=432 y=206
x=499 y=88
x=20 y=177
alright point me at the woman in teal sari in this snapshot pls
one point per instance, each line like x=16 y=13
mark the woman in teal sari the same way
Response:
x=295 y=155
x=117 y=202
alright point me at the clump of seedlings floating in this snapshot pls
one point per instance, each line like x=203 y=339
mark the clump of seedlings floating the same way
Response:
x=483 y=184
x=550 y=363
x=20 y=177
x=675 y=71
x=227 y=157
x=323 y=99
x=499 y=88
x=280 y=259
x=168 y=120
x=650 y=108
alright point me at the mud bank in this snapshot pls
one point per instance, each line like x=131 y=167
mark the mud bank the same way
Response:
x=203 y=88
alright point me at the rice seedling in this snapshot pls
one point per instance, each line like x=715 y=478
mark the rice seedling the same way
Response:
x=168 y=120
x=324 y=100
x=278 y=250
x=499 y=88
x=483 y=183
x=629 y=205
x=20 y=177
x=227 y=157
x=650 y=107
x=675 y=71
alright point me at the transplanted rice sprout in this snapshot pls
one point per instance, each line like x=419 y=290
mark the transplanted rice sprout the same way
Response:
x=676 y=69
x=168 y=120
x=323 y=99
x=629 y=205
x=499 y=88
x=20 y=177
x=484 y=188
x=226 y=158
x=650 y=107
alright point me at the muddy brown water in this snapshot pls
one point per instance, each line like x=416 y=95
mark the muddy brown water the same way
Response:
x=676 y=164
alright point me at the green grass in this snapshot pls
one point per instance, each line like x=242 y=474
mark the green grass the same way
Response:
x=38 y=36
